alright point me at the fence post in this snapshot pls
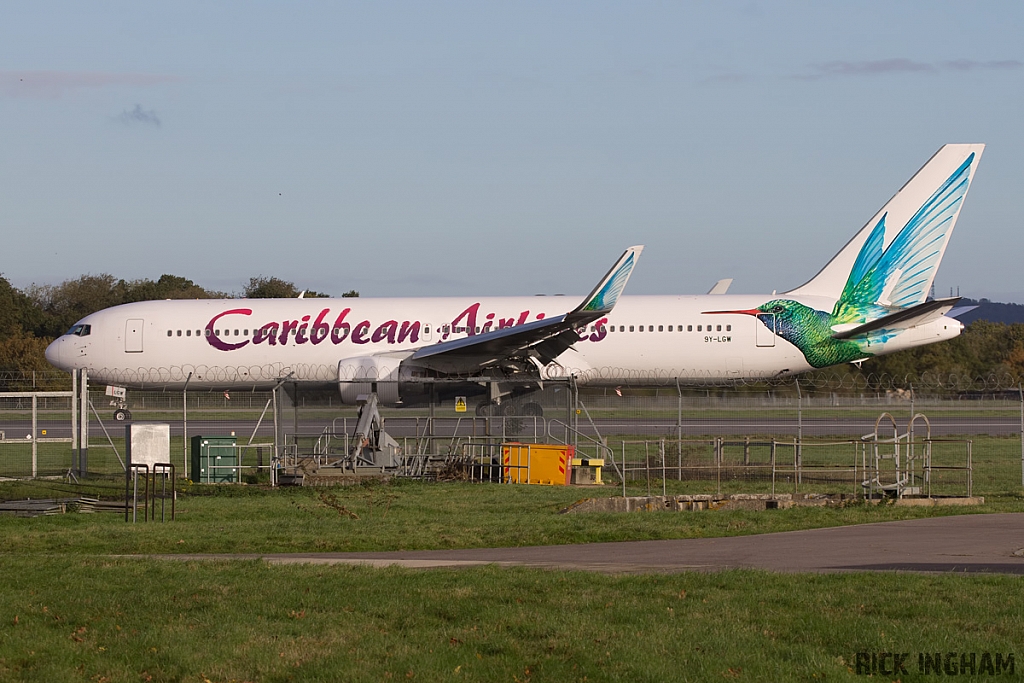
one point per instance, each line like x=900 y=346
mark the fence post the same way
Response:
x=83 y=423
x=799 y=429
x=718 y=459
x=35 y=430
x=664 y=476
x=184 y=427
x=679 y=432
x=74 y=422
x=1020 y=390
x=623 y=469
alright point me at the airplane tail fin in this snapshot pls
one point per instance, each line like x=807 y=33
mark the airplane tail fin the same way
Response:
x=891 y=263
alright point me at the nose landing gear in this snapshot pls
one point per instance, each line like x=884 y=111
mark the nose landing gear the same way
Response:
x=120 y=403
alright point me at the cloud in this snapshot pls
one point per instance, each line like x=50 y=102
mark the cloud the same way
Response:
x=56 y=84
x=139 y=115
x=840 y=69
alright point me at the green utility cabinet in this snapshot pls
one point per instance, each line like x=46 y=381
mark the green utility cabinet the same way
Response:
x=214 y=460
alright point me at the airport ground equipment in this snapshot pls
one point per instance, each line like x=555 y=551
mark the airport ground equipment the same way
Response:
x=214 y=459
x=537 y=463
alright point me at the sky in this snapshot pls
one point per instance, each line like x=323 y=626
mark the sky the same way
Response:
x=415 y=149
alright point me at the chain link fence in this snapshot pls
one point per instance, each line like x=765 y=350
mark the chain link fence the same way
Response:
x=818 y=432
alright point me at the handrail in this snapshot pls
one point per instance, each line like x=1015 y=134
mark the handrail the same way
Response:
x=596 y=443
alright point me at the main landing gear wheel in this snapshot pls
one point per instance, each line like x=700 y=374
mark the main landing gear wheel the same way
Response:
x=531 y=410
x=486 y=410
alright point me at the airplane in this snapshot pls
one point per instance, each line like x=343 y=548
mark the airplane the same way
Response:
x=870 y=299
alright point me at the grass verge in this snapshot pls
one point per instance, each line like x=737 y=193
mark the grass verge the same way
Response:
x=411 y=515
x=89 y=619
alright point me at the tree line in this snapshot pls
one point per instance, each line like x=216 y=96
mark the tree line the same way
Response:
x=31 y=318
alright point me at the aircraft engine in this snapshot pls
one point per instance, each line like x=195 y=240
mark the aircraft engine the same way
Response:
x=383 y=373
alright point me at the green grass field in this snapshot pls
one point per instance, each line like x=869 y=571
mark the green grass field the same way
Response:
x=72 y=611
x=405 y=516
x=80 y=618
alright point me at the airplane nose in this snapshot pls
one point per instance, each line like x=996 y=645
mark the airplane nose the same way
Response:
x=53 y=353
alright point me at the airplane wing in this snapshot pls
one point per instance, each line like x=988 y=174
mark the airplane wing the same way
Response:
x=907 y=317
x=540 y=341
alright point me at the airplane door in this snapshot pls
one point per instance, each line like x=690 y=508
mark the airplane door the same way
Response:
x=133 y=336
x=765 y=330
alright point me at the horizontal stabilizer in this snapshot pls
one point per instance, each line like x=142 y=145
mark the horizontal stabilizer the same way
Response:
x=902 y=319
x=960 y=310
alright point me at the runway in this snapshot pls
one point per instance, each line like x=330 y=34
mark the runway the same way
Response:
x=973 y=544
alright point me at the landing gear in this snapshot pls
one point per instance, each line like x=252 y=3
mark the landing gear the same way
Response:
x=531 y=410
x=120 y=402
x=522 y=417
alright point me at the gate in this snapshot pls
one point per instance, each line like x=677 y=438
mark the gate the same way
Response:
x=34 y=428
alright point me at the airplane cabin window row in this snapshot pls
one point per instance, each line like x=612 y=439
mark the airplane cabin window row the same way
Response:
x=445 y=328
x=199 y=333
x=670 y=328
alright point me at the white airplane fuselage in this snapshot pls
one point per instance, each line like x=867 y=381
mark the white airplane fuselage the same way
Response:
x=254 y=343
x=870 y=299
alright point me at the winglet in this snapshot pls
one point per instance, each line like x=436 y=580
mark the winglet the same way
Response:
x=602 y=299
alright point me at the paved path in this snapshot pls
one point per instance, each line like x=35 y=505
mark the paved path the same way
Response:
x=983 y=543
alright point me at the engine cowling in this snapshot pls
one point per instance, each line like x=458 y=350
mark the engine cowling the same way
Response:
x=395 y=382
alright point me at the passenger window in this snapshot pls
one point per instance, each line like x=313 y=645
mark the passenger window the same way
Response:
x=179 y=333
x=699 y=328
x=630 y=328
x=718 y=328
x=207 y=332
x=728 y=328
x=669 y=328
x=689 y=328
x=426 y=329
x=169 y=333
x=188 y=333
x=236 y=333
x=622 y=328
x=661 y=328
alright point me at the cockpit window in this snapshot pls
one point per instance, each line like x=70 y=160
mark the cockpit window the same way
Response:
x=80 y=330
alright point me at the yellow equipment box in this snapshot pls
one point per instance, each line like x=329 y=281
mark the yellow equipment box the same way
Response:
x=537 y=463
